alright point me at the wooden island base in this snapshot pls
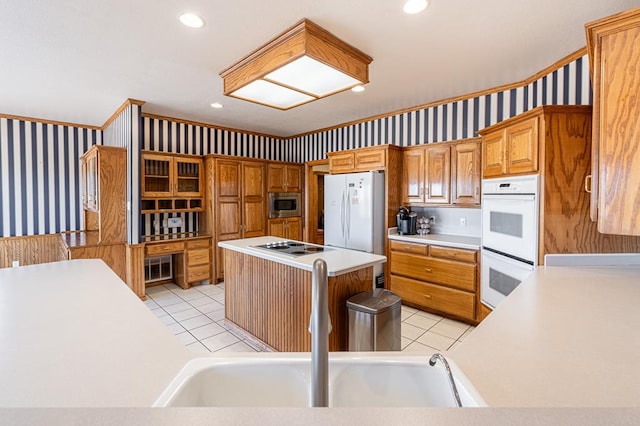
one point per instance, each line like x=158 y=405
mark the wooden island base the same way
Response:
x=272 y=301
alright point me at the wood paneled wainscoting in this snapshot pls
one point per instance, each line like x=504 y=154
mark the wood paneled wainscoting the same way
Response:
x=31 y=250
x=272 y=301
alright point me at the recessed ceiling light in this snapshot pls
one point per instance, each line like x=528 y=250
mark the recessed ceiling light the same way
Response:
x=357 y=89
x=415 y=6
x=191 y=20
x=216 y=105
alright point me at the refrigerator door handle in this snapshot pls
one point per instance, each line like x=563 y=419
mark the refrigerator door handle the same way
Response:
x=348 y=215
x=342 y=208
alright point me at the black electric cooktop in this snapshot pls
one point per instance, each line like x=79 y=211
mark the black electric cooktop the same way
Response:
x=292 y=248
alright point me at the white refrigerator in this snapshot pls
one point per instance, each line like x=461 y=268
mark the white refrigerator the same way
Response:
x=354 y=211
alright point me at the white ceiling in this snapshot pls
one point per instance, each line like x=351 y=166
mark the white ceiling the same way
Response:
x=78 y=61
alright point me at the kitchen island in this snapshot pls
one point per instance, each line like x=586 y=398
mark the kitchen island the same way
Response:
x=268 y=293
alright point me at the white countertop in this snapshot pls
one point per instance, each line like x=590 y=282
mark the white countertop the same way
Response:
x=339 y=261
x=74 y=335
x=454 y=241
x=566 y=336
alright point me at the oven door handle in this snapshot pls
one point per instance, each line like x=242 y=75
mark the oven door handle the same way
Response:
x=507 y=197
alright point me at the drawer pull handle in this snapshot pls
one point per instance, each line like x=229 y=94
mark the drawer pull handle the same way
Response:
x=428 y=270
x=427 y=296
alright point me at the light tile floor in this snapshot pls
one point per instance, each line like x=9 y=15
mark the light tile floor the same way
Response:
x=196 y=317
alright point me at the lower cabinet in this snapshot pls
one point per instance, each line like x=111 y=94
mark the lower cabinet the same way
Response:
x=290 y=228
x=191 y=258
x=435 y=278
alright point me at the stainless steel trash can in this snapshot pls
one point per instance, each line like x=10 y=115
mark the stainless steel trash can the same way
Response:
x=374 y=321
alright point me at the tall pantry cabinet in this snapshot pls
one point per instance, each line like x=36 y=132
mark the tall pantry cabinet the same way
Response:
x=235 y=204
x=614 y=55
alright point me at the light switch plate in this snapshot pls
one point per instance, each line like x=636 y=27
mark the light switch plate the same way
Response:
x=174 y=222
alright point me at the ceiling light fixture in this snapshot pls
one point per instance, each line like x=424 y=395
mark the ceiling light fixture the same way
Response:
x=216 y=105
x=357 y=89
x=304 y=63
x=415 y=6
x=191 y=20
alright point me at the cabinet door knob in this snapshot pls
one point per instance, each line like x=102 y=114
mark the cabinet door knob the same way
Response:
x=587 y=184
x=428 y=270
x=427 y=296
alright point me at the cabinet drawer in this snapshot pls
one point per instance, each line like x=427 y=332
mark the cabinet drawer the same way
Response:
x=454 y=254
x=198 y=257
x=431 y=296
x=198 y=273
x=454 y=274
x=164 y=248
x=410 y=247
x=202 y=243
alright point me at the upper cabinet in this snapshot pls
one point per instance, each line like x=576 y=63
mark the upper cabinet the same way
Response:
x=510 y=150
x=615 y=72
x=442 y=173
x=284 y=178
x=437 y=171
x=465 y=173
x=171 y=182
x=358 y=160
x=104 y=188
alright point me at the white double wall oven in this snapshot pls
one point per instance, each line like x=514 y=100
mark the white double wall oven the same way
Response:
x=510 y=218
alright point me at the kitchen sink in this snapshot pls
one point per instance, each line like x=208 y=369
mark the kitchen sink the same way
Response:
x=284 y=380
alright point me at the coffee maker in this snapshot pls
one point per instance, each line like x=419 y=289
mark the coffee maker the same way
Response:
x=406 y=221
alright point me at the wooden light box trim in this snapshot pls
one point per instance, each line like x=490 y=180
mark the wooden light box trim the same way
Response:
x=304 y=38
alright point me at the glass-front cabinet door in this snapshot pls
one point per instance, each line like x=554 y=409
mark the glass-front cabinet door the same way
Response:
x=90 y=181
x=157 y=174
x=187 y=174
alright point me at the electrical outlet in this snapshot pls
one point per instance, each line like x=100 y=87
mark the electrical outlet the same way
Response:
x=463 y=221
x=15 y=263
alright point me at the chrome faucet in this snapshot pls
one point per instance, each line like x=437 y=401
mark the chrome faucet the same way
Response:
x=438 y=356
x=319 y=327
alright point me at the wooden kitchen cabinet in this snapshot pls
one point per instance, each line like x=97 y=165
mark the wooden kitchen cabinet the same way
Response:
x=465 y=173
x=510 y=150
x=564 y=160
x=437 y=174
x=104 y=190
x=289 y=228
x=358 y=160
x=239 y=202
x=615 y=73
x=284 y=178
x=104 y=176
x=413 y=175
x=439 y=279
x=191 y=258
x=171 y=182
x=442 y=173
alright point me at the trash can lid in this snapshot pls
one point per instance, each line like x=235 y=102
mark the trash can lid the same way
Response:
x=373 y=302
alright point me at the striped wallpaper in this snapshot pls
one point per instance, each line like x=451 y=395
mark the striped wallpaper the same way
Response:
x=568 y=85
x=39 y=167
x=40 y=176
